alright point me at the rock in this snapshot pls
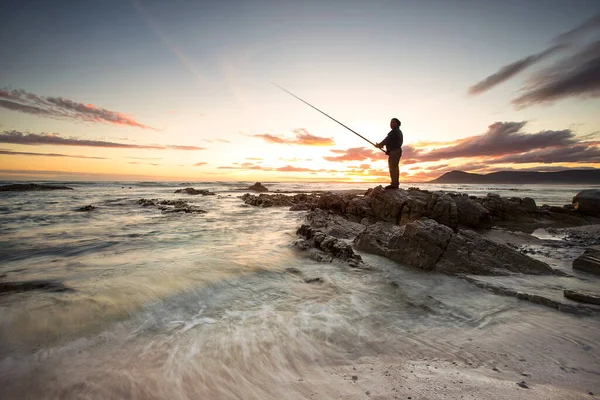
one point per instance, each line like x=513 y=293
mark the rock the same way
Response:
x=87 y=208
x=314 y=280
x=429 y=245
x=588 y=202
x=293 y=270
x=26 y=286
x=193 y=191
x=337 y=248
x=523 y=384
x=583 y=296
x=472 y=214
x=171 y=206
x=297 y=202
x=333 y=224
x=257 y=187
x=589 y=261
x=31 y=187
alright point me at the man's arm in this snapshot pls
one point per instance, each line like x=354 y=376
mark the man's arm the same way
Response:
x=384 y=141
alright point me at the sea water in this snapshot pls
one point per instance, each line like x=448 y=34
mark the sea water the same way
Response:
x=211 y=305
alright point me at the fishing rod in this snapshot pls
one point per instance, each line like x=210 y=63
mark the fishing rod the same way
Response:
x=328 y=116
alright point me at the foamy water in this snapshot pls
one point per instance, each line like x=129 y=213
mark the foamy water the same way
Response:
x=202 y=305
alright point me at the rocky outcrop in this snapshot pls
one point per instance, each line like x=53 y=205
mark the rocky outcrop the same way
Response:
x=257 y=187
x=31 y=187
x=87 y=208
x=297 y=202
x=589 y=261
x=583 y=296
x=428 y=245
x=192 y=191
x=171 y=206
x=588 y=202
x=336 y=248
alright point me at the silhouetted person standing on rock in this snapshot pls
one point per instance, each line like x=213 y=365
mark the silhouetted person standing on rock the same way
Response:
x=393 y=143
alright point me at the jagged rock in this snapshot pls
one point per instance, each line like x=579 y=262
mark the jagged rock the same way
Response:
x=297 y=202
x=333 y=224
x=87 y=208
x=583 y=296
x=337 y=248
x=257 y=187
x=472 y=214
x=193 y=191
x=429 y=245
x=171 y=206
x=589 y=261
x=588 y=202
x=293 y=270
x=31 y=187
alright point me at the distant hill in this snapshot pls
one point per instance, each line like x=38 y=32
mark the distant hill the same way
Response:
x=583 y=176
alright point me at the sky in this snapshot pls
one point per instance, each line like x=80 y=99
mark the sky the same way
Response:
x=182 y=89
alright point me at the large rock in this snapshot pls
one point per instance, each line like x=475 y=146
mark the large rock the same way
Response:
x=31 y=187
x=337 y=248
x=472 y=214
x=297 y=202
x=333 y=224
x=588 y=202
x=589 y=261
x=429 y=245
x=257 y=187
x=583 y=296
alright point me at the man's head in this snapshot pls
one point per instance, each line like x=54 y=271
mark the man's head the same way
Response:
x=395 y=123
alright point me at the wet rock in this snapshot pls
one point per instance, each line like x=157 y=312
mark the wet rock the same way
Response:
x=192 y=191
x=26 y=286
x=337 y=248
x=87 y=208
x=314 y=280
x=428 y=245
x=333 y=224
x=589 y=261
x=523 y=384
x=172 y=206
x=293 y=270
x=31 y=187
x=588 y=202
x=583 y=296
x=297 y=202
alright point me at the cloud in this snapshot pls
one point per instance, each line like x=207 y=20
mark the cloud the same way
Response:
x=573 y=154
x=144 y=158
x=15 y=137
x=61 y=108
x=355 y=154
x=254 y=159
x=510 y=70
x=14 y=153
x=302 y=138
x=200 y=164
x=575 y=76
x=500 y=139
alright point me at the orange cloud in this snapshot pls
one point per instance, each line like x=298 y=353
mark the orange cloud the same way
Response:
x=303 y=138
x=355 y=154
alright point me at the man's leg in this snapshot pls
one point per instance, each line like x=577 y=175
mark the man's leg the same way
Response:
x=393 y=164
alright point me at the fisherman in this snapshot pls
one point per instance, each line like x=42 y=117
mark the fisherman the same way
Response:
x=393 y=143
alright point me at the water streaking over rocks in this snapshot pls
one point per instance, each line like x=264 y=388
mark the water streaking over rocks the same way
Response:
x=142 y=299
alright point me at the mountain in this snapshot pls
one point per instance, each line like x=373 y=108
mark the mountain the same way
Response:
x=583 y=176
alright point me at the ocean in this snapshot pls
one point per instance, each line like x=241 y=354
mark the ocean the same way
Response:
x=174 y=305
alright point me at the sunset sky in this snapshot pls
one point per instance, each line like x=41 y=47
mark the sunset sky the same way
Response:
x=181 y=89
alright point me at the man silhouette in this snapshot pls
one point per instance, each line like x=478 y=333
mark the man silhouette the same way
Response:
x=393 y=143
